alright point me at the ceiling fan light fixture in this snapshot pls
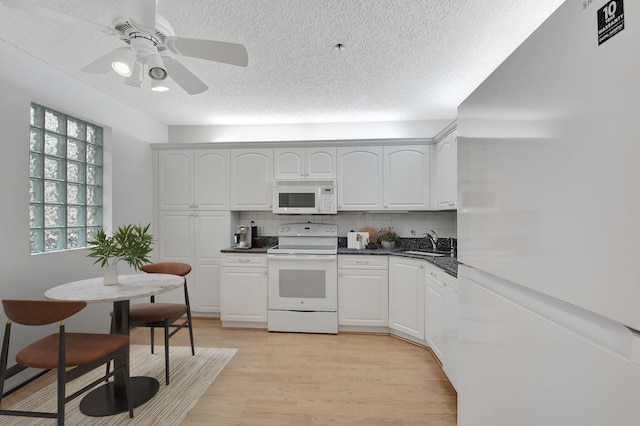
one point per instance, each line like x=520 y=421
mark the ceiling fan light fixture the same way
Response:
x=135 y=80
x=124 y=62
x=159 y=86
x=157 y=71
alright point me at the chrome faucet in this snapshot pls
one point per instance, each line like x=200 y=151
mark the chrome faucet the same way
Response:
x=433 y=238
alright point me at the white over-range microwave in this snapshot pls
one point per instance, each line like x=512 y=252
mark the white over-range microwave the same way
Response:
x=305 y=197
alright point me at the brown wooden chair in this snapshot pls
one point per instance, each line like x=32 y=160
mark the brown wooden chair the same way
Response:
x=72 y=354
x=164 y=315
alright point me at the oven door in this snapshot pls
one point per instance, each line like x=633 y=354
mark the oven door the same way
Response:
x=299 y=282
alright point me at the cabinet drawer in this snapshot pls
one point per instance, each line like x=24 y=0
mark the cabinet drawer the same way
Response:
x=435 y=273
x=246 y=260
x=362 y=262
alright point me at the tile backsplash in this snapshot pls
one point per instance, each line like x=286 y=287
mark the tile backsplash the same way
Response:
x=443 y=223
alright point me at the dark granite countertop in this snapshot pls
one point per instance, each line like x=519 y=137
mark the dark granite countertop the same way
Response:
x=448 y=264
x=252 y=250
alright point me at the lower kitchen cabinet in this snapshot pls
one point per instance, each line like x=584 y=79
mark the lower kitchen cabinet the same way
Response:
x=196 y=238
x=434 y=314
x=441 y=318
x=451 y=338
x=363 y=291
x=243 y=293
x=406 y=297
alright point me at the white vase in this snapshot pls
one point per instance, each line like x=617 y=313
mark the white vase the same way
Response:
x=111 y=274
x=388 y=244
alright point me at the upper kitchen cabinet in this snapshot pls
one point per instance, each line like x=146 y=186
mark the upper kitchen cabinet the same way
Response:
x=407 y=180
x=251 y=179
x=304 y=163
x=360 y=178
x=445 y=164
x=384 y=178
x=193 y=179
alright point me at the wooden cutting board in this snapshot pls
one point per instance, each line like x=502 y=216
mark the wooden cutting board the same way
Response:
x=373 y=235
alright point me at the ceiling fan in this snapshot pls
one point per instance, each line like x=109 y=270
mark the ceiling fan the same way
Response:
x=151 y=46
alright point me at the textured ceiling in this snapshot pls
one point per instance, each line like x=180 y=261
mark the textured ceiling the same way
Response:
x=403 y=59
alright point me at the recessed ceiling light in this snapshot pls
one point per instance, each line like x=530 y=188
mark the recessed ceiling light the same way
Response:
x=339 y=47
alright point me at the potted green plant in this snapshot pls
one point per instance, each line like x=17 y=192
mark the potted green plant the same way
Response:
x=131 y=243
x=387 y=237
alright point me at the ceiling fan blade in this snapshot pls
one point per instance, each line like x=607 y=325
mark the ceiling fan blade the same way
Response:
x=142 y=12
x=183 y=77
x=101 y=65
x=57 y=16
x=229 y=53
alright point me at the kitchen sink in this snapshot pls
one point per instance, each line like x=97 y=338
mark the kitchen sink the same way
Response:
x=424 y=253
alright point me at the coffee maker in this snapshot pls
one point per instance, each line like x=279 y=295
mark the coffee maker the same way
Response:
x=243 y=236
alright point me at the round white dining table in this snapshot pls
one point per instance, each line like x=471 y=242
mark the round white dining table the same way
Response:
x=110 y=398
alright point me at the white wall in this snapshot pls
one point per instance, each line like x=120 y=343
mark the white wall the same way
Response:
x=444 y=223
x=127 y=137
x=425 y=129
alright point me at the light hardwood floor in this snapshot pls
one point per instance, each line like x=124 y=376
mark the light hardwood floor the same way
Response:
x=316 y=379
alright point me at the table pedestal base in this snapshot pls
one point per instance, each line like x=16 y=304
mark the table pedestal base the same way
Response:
x=103 y=400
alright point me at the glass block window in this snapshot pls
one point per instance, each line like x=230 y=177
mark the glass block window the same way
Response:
x=65 y=186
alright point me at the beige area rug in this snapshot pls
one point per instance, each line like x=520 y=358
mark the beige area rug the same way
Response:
x=190 y=378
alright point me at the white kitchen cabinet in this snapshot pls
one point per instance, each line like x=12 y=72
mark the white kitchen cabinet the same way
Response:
x=441 y=318
x=251 y=179
x=244 y=290
x=193 y=179
x=451 y=338
x=407 y=180
x=304 y=163
x=445 y=166
x=360 y=178
x=384 y=178
x=406 y=296
x=363 y=291
x=434 y=314
x=196 y=238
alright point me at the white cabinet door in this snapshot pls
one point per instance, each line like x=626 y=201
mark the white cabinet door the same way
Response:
x=304 y=163
x=176 y=236
x=321 y=163
x=175 y=180
x=445 y=193
x=177 y=242
x=289 y=163
x=363 y=297
x=407 y=180
x=251 y=179
x=205 y=296
x=211 y=179
x=193 y=179
x=244 y=294
x=212 y=231
x=451 y=340
x=434 y=315
x=406 y=296
x=360 y=178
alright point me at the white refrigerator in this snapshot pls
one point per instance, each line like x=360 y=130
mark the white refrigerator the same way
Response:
x=549 y=227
